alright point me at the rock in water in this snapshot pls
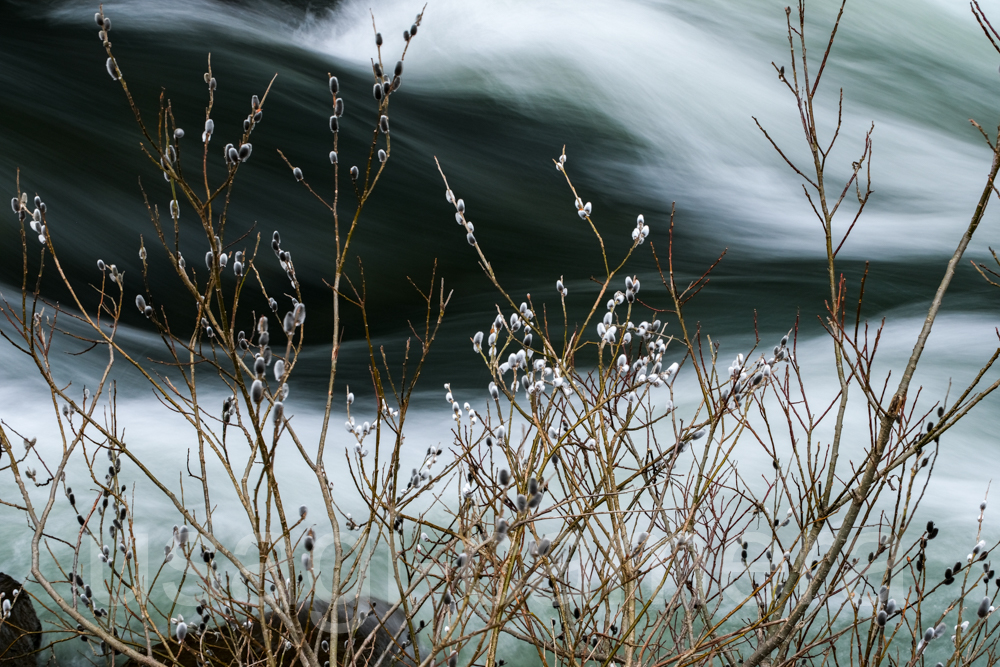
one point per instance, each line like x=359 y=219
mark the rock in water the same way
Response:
x=234 y=646
x=20 y=633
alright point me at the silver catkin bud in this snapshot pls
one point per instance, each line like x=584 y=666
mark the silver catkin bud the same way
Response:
x=257 y=391
x=334 y=85
x=333 y=157
x=297 y=173
x=522 y=503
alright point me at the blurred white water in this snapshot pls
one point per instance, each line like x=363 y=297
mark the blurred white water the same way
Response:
x=959 y=344
x=682 y=81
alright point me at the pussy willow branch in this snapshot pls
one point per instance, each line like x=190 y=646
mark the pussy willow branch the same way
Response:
x=860 y=493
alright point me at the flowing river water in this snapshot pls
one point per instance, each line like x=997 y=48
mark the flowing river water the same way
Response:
x=655 y=104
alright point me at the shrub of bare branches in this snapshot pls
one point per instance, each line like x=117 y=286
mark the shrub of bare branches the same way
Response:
x=586 y=507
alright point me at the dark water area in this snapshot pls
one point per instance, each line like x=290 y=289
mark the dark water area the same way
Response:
x=69 y=131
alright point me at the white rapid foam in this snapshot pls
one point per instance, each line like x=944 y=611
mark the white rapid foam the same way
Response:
x=682 y=81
